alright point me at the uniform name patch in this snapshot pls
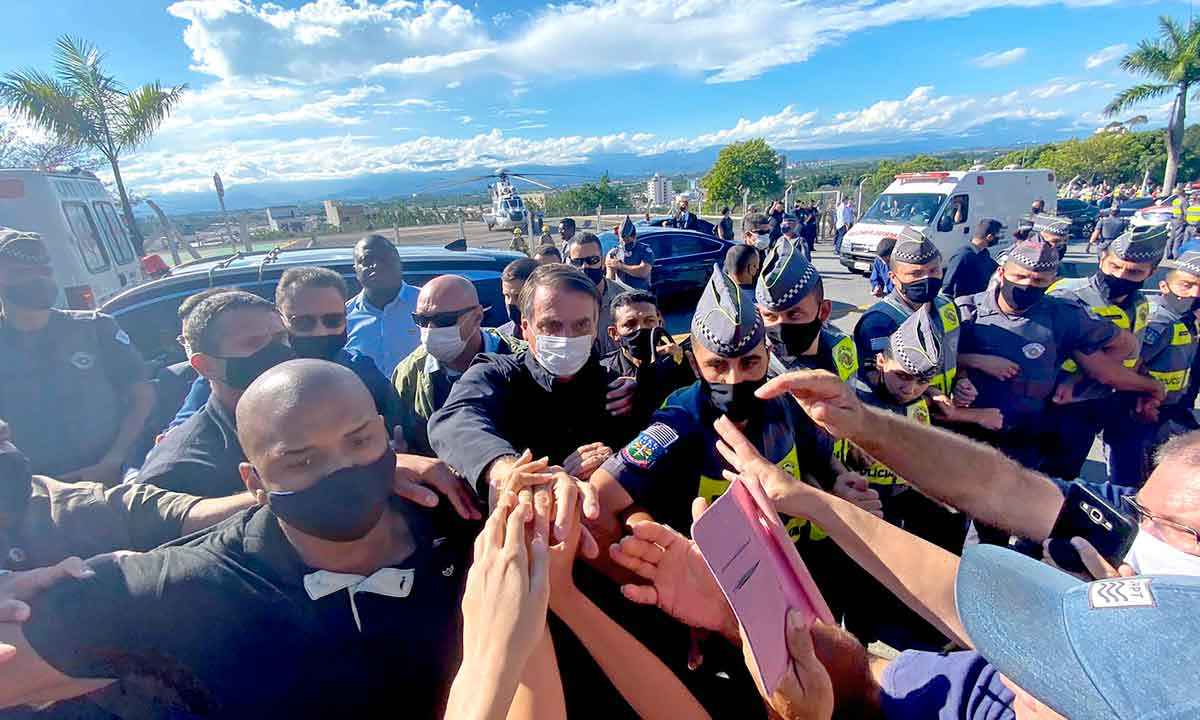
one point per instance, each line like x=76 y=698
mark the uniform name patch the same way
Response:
x=1120 y=593
x=650 y=445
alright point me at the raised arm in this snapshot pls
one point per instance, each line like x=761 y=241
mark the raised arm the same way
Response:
x=970 y=476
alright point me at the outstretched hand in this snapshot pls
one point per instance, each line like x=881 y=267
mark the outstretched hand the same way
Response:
x=830 y=402
x=806 y=690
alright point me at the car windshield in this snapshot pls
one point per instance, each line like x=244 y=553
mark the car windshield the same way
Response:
x=904 y=208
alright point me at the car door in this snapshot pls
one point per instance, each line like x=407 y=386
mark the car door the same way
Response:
x=689 y=265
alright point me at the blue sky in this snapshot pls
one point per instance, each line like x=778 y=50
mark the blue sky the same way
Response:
x=329 y=89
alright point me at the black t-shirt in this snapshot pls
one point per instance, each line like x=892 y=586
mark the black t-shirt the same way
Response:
x=968 y=272
x=223 y=627
x=200 y=457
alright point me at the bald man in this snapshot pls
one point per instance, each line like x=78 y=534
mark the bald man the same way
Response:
x=244 y=621
x=449 y=316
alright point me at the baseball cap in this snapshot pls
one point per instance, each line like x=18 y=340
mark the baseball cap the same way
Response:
x=1112 y=649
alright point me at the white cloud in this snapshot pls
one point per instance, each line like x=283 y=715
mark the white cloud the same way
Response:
x=1059 y=87
x=324 y=40
x=465 y=119
x=1105 y=55
x=230 y=104
x=454 y=85
x=999 y=58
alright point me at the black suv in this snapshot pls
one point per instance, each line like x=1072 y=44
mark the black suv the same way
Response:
x=1083 y=216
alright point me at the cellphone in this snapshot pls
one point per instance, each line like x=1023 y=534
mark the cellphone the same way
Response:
x=760 y=572
x=1088 y=516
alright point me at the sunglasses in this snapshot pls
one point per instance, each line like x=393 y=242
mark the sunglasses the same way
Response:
x=585 y=261
x=308 y=323
x=442 y=319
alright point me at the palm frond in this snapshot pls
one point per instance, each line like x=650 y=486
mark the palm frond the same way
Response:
x=47 y=104
x=1149 y=59
x=145 y=109
x=1136 y=95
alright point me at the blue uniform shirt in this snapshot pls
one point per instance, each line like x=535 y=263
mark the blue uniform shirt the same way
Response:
x=953 y=686
x=640 y=252
x=1037 y=341
x=386 y=335
x=879 y=275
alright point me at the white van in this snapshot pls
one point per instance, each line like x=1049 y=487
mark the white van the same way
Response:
x=88 y=243
x=947 y=206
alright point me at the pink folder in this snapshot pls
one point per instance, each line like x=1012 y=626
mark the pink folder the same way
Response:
x=760 y=572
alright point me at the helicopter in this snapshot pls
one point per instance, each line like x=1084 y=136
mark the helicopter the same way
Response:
x=508 y=210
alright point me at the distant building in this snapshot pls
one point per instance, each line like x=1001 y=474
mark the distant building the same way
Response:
x=285 y=218
x=337 y=214
x=659 y=190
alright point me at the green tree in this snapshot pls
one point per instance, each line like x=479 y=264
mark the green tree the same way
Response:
x=751 y=165
x=585 y=198
x=1172 y=63
x=82 y=105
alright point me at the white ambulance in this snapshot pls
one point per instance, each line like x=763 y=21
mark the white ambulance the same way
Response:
x=948 y=206
x=89 y=246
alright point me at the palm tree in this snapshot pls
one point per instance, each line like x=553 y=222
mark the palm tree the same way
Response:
x=82 y=105
x=1172 y=63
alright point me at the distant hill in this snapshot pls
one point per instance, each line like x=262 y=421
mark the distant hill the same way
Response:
x=986 y=139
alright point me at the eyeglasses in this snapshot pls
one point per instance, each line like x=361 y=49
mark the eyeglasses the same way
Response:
x=586 y=261
x=308 y=323
x=442 y=319
x=1178 y=527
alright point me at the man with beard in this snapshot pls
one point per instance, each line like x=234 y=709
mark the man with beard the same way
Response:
x=791 y=299
x=327 y=597
x=72 y=386
x=585 y=253
x=971 y=267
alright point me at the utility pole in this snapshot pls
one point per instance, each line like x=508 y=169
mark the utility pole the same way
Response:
x=220 y=186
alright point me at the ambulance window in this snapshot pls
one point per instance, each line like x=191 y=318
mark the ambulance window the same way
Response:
x=956 y=213
x=114 y=232
x=87 y=240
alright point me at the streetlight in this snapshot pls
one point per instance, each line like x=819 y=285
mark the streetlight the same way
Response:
x=858 y=204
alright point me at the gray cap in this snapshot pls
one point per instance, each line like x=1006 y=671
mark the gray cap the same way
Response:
x=1189 y=263
x=1034 y=254
x=913 y=247
x=1144 y=244
x=787 y=276
x=916 y=346
x=23 y=246
x=1052 y=224
x=723 y=323
x=627 y=229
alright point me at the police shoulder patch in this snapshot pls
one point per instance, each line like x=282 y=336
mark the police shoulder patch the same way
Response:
x=649 y=446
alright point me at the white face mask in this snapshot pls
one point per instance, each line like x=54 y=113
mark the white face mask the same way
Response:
x=445 y=344
x=563 y=356
x=1151 y=556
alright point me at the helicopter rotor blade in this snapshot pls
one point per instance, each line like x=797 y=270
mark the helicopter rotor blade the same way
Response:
x=446 y=186
x=531 y=182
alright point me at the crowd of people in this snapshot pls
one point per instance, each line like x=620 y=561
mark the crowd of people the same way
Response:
x=356 y=505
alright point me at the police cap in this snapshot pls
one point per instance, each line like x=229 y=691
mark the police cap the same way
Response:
x=1189 y=263
x=913 y=247
x=915 y=345
x=22 y=246
x=1034 y=254
x=722 y=322
x=1143 y=244
x=1052 y=224
x=787 y=276
x=627 y=229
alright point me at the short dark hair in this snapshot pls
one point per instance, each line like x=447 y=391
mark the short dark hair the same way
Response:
x=549 y=250
x=754 y=219
x=567 y=222
x=724 y=209
x=738 y=257
x=199 y=329
x=585 y=238
x=296 y=279
x=885 y=248
x=191 y=301
x=518 y=270
x=559 y=277
x=633 y=297
x=988 y=226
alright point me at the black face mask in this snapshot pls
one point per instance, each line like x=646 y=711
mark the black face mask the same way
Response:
x=1118 y=287
x=1179 y=305
x=1021 y=297
x=596 y=275
x=15 y=484
x=35 y=294
x=921 y=291
x=318 y=347
x=241 y=371
x=640 y=344
x=342 y=506
x=795 y=338
x=736 y=401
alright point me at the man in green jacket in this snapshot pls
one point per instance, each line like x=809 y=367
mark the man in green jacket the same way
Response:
x=449 y=316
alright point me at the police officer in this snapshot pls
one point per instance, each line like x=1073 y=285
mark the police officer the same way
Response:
x=1086 y=405
x=1108 y=229
x=674 y=459
x=791 y=300
x=72 y=386
x=916 y=271
x=1168 y=351
x=631 y=261
x=1014 y=340
x=1053 y=229
x=645 y=351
